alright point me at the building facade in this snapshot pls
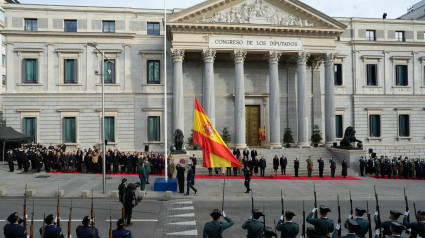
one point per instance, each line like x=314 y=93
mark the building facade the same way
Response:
x=251 y=63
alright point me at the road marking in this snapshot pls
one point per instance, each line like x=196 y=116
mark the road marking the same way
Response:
x=184 y=233
x=184 y=223
x=183 y=208
x=185 y=202
x=184 y=215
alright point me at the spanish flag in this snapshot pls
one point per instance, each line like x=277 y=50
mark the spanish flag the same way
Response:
x=214 y=150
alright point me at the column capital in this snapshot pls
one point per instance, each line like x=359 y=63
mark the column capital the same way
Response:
x=274 y=57
x=208 y=55
x=302 y=57
x=177 y=55
x=239 y=56
x=316 y=62
x=328 y=58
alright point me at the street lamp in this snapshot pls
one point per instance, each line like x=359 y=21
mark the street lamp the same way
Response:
x=102 y=124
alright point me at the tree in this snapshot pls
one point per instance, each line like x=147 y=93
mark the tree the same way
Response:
x=316 y=137
x=190 y=142
x=225 y=135
x=288 y=137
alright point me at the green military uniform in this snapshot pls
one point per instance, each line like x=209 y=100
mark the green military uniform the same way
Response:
x=413 y=226
x=288 y=229
x=322 y=225
x=397 y=229
x=255 y=228
x=214 y=229
x=147 y=170
x=363 y=226
x=352 y=226
x=377 y=166
x=387 y=224
x=142 y=177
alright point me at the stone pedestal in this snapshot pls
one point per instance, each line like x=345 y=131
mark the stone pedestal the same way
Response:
x=351 y=156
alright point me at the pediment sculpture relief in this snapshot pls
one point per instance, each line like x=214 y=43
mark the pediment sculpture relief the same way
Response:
x=256 y=12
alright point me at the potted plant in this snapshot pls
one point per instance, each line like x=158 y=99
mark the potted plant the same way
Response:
x=316 y=137
x=288 y=137
x=190 y=142
x=225 y=135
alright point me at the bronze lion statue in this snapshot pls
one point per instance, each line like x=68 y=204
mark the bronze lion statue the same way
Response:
x=349 y=139
x=178 y=140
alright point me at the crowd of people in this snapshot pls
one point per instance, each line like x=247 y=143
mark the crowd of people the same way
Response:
x=397 y=167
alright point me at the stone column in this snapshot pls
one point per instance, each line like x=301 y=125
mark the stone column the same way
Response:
x=127 y=68
x=274 y=99
x=303 y=139
x=316 y=64
x=239 y=58
x=329 y=99
x=208 y=97
x=178 y=103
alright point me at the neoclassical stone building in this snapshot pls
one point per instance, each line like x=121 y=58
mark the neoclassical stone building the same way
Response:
x=251 y=63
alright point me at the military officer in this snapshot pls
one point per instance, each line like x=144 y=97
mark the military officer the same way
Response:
x=86 y=231
x=147 y=169
x=13 y=229
x=120 y=232
x=396 y=230
x=269 y=233
x=50 y=230
x=352 y=227
x=215 y=228
x=287 y=227
x=394 y=215
x=309 y=166
x=362 y=223
x=322 y=225
x=142 y=176
x=413 y=226
x=254 y=226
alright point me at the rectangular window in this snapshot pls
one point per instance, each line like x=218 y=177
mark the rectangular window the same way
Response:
x=338 y=74
x=31 y=25
x=339 y=126
x=153 y=72
x=3 y=80
x=399 y=36
x=372 y=74
x=109 y=73
x=403 y=126
x=3 y=39
x=375 y=125
x=70 y=25
x=69 y=130
x=153 y=28
x=29 y=127
x=153 y=128
x=110 y=129
x=70 y=71
x=109 y=26
x=29 y=71
x=370 y=35
x=401 y=75
x=3 y=59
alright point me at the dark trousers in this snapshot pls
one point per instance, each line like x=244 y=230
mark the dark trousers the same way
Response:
x=128 y=169
x=181 y=184
x=262 y=171
x=235 y=171
x=229 y=171
x=210 y=171
x=47 y=167
x=25 y=164
x=134 y=168
x=361 y=170
x=115 y=168
x=19 y=160
x=128 y=210
x=194 y=169
x=333 y=172
x=11 y=166
x=283 y=169
x=189 y=185
x=321 y=172
x=247 y=186
x=122 y=169
x=296 y=172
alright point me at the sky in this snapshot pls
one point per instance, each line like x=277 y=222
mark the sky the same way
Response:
x=334 y=8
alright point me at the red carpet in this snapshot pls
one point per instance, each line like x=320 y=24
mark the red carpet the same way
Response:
x=386 y=177
x=280 y=177
x=124 y=174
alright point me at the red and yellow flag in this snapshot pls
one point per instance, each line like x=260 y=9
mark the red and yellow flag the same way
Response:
x=214 y=150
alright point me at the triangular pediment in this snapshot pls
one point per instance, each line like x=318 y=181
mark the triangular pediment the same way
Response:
x=274 y=13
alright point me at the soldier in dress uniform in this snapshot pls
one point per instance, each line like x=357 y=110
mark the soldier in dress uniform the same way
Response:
x=11 y=160
x=309 y=166
x=352 y=227
x=396 y=230
x=215 y=228
x=394 y=215
x=13 y=229
x=254 y=227
x=120 y=232
x=50 y=230
x=377 y=166
x=322 y=225
x=87 y=231
x=296 y=166
x=321 y=166
x=287 y=227
x=363 y=165
x=413 y=226
x=363 y=223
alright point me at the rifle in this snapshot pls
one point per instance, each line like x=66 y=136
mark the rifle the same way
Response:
x=351 y=205
x=110 y=222
x=264 y=220
x=58 y=209
x=25 y=210
x=44 y=226
x=252 y=202
x=69 y=221
x=281 y=201
x=303 y=228
x=378 y=225
x=32 y=221
x=369 y=225
x=339 y=217
x=222 y=203
x=315 y=200
x=420 y=225
x=92 y=210
x=407 y=204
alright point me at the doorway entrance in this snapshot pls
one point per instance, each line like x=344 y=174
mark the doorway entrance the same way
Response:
x=252 y=122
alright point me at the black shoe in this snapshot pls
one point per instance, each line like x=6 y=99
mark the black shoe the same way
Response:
x=196 y=191
x=186 y=194
x=148 y=183
x=247 y=191
x=129 y=224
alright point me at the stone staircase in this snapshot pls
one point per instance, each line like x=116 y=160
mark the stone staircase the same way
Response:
x=290 y=153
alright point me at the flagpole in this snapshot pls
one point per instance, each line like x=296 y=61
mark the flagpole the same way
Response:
x=165 y=94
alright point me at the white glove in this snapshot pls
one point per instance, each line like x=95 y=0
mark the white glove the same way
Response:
x=337 y=227
x=406 y=213
x=281 y=217
x=223 y=214
x=250 y=217
x=26 y=216
x=28 y=236
x=418 y=236
x=350 y=216
x=409 y=231
x=376 y=213
x=314 y=210
x=303 y=237
x=377 y=232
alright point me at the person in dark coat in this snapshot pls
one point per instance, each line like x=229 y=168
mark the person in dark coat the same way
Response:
x=11 y=160
x=296 y=166
x=215 y=228
x=262 y=163
x=321 y=166
x=120 y=232
x=256 y=165
x=247 y=179
x=39 y=161
x=115 y=161
x=275 y=164
x=344 y=168
x=333 y=167
x=108 y=162
x=189 y=180
x=47 y=158
x=86 y=231
x=180 y=177
x=254 y=153
x=13 y=229
x=237 y=154
x=128 y=160
x=50 y=230
x=283 y=162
